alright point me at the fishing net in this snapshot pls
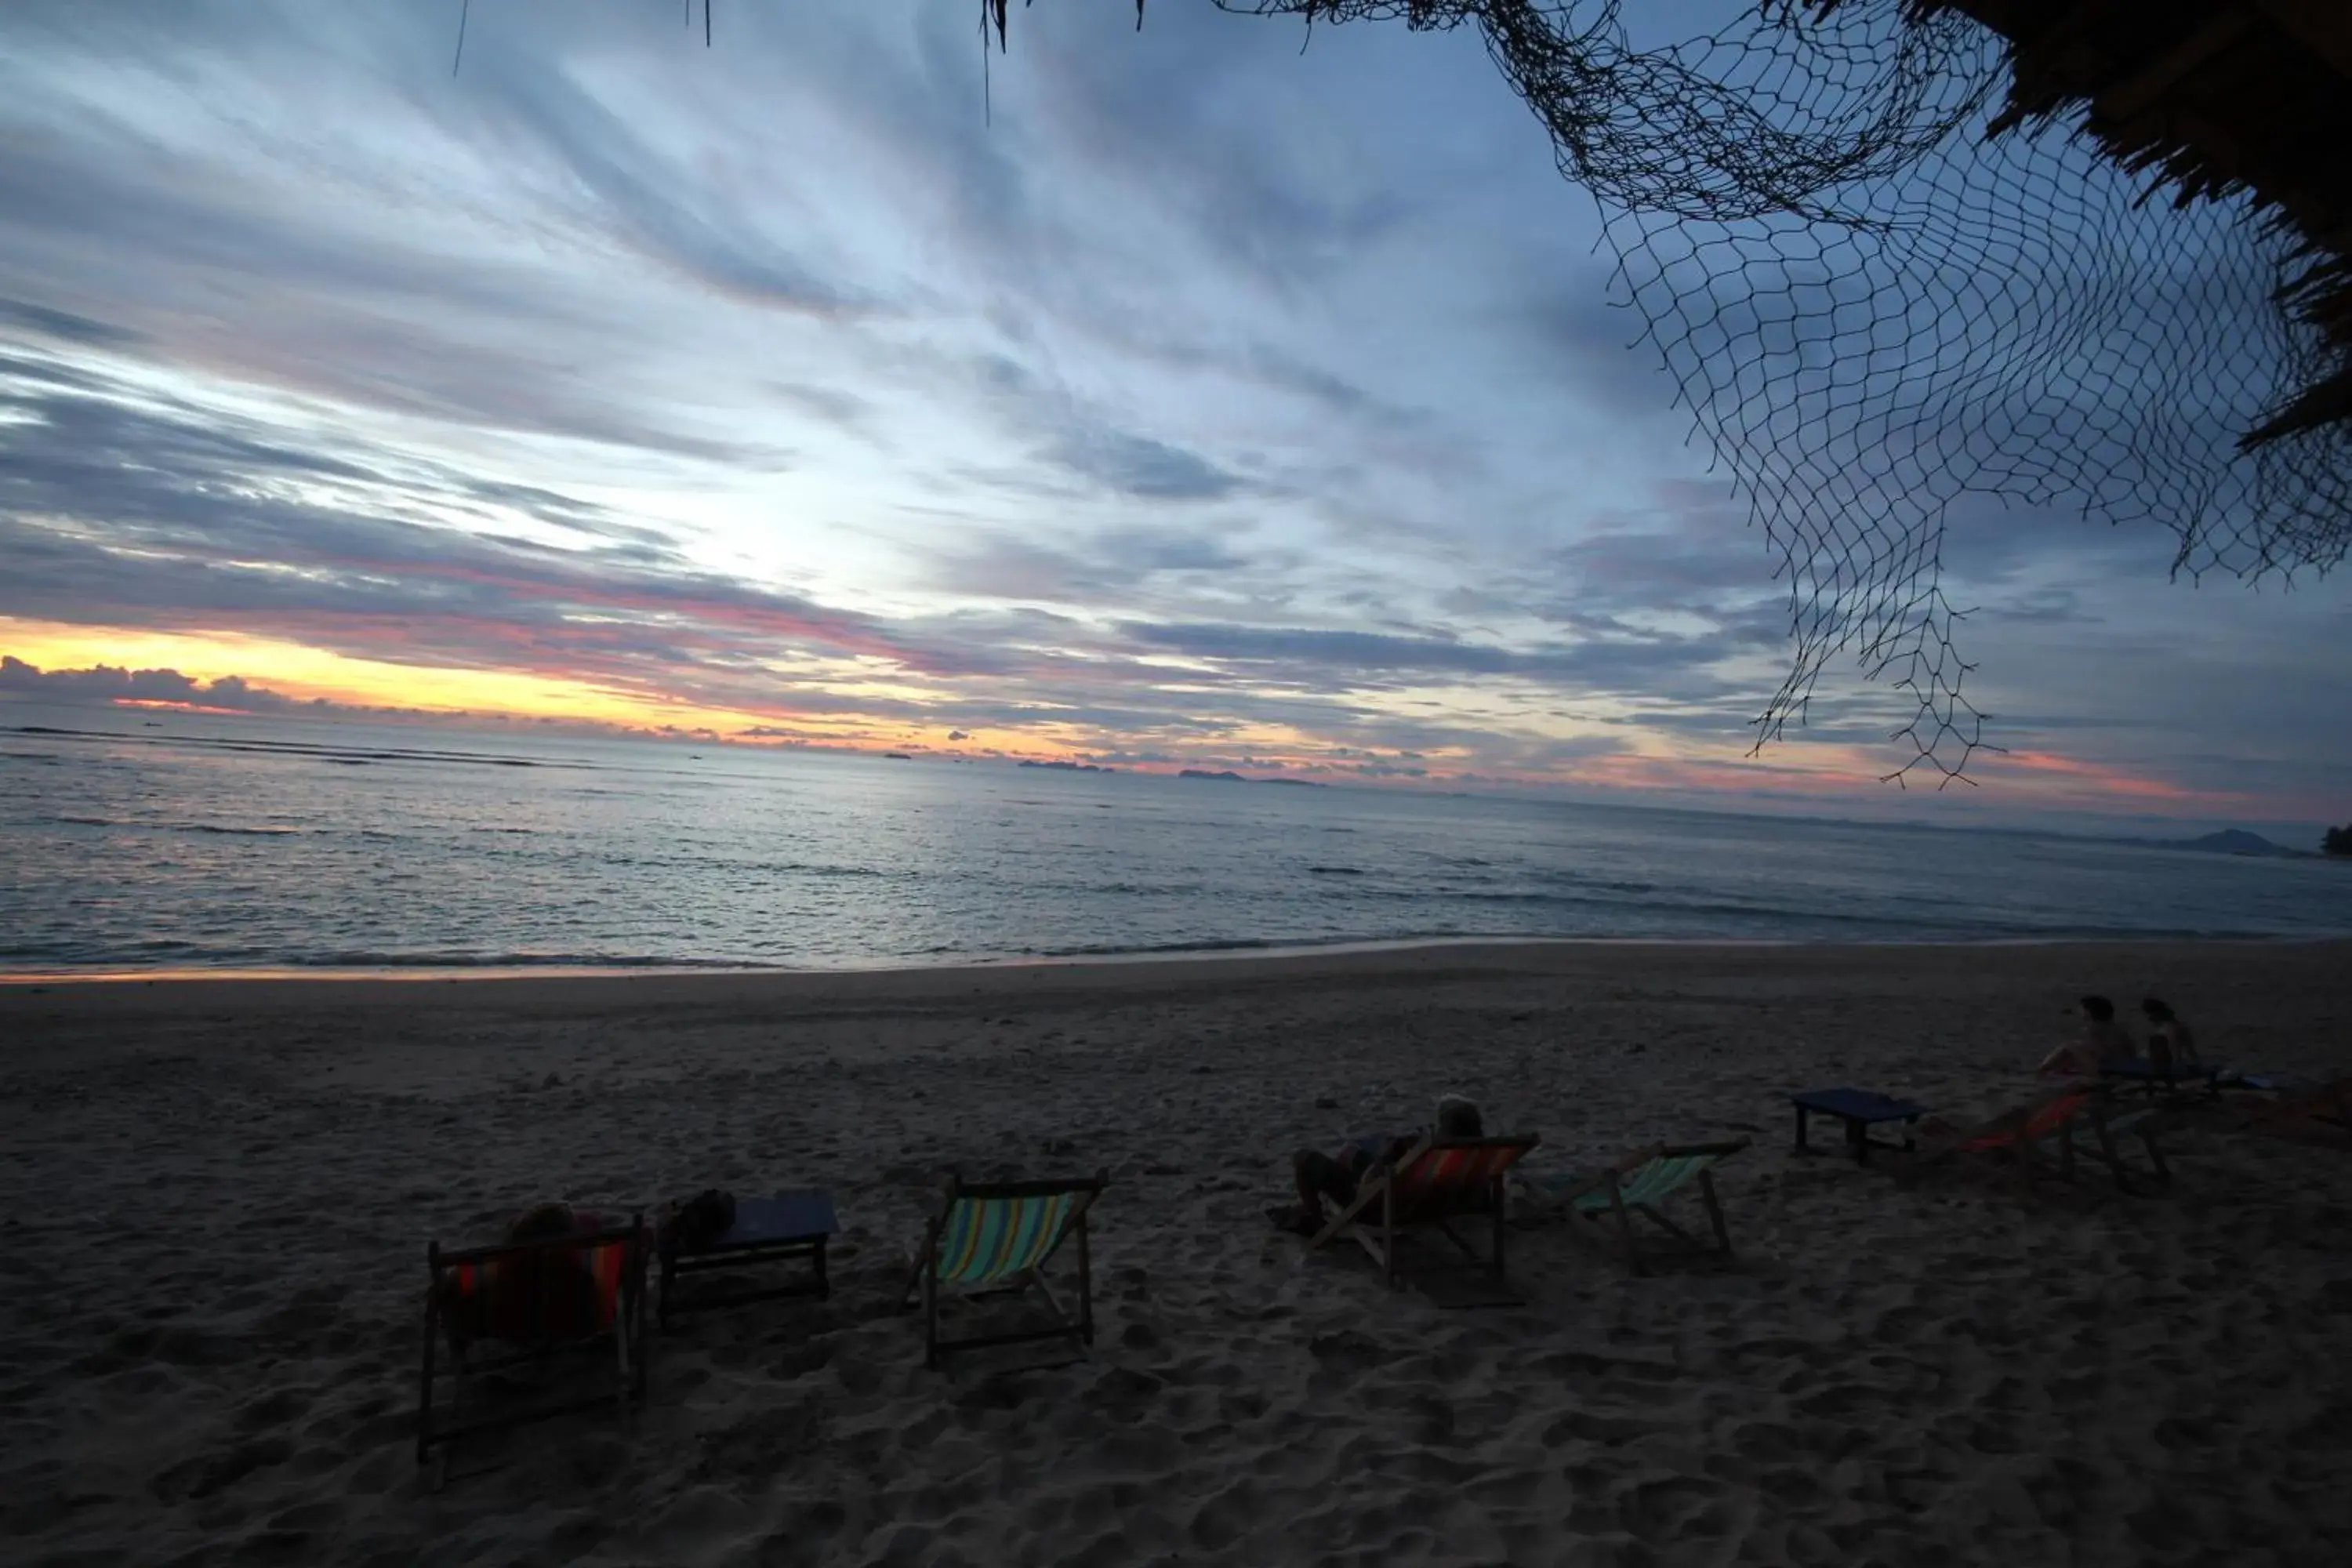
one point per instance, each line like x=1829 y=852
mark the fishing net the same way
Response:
x=1880 y=318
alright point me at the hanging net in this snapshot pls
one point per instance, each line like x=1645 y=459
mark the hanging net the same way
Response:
x=1879 y=317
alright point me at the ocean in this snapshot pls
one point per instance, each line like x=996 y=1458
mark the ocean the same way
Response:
x=187 y=841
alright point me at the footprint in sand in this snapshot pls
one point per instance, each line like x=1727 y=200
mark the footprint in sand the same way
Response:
x=208 y=1474
x=1658 y=1510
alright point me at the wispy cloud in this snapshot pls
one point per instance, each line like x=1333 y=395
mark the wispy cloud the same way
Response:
x=1204 y=403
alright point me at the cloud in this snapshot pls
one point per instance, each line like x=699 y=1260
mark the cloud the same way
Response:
x=1139 y=467
x=1111 y=567
x=118 y=512
x=1197 y=400
x=675 y=222
x=1312 y=656
x=122 y=236
x=844 y=410
x=24 y=316
x=110 y=683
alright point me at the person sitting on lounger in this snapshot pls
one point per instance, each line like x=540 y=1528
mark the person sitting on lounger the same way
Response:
x=530 y=1297
x=2103 y=1043
x=2170 y=1046
x=1335 y=1176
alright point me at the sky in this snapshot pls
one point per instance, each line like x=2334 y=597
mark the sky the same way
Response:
x=1178 y=398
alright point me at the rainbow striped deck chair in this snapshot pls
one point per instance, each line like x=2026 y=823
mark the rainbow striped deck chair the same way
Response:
x=1431 y=1186
x=532 y=1300
x=995 y=1239
x=1639 y=1184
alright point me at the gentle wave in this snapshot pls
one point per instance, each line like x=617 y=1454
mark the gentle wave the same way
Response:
x=464 y=960
x=259 y=747
x=186 y=955
x=1235 y=944
x=213 y=828
x=627 y=855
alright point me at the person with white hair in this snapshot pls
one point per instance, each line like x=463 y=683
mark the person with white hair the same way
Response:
x=1333 y=1178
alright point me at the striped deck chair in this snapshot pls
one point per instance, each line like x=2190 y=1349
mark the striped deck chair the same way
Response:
x=1639 y=1184
x=2302 y=1109
x=1429 y=1186
x=532 y=1300
x=2013 y=1139
x=995 y=1239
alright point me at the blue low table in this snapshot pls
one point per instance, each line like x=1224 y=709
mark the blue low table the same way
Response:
x=784 y=1228
x=1860 y=1109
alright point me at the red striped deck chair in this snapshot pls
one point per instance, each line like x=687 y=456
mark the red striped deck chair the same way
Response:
x=995 y=1239
x=2013 y=1139
x=2318 y=1111
x=1431 y=1186
x=496 y=1309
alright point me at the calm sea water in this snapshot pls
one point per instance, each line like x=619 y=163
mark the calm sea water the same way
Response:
x=193 y=841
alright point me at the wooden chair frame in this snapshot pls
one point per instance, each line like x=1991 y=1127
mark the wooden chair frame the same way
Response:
x=2009 y=1140
x=1379 y=1186
x=1612 y=1180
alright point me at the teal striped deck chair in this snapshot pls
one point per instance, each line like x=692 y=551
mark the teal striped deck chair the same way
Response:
x=1639 y=1184
x=995 y=1239
x=1430 y=1187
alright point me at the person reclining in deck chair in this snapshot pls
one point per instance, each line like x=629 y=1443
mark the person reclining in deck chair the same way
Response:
x=1335 y=1176
x=2103 y=1041
x=553 y=1295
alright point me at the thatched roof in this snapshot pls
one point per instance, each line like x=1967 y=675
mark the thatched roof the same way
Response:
x=2213 y=99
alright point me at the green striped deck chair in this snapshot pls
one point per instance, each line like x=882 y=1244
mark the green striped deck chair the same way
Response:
x=1639 y=1184
x=1431 y=1186
x=995 y=1239
x=495 y=1308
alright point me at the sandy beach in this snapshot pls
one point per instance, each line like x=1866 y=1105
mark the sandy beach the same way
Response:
x=218 y=1196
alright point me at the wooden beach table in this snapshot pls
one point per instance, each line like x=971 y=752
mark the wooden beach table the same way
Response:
x=1860 y=1109
x=781 y=1229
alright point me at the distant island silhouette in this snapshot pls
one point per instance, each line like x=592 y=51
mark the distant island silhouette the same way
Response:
x=2231 y=841
x=1227 y=775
